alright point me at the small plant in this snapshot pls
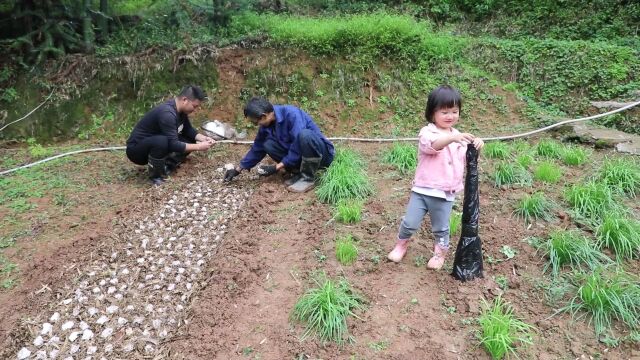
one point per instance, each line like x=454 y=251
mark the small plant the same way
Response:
x=547 y=172
x=549 y=149
x=36 y=150
x=344 y=179
x=379 y=345
x=403 y=156
x=501 y=330
x=420 y=261
x=520 y=146
x=496 y=150
x=590 y=200
x=346 y=250
x=502 y=281
x=349 y=211
x=508 y=251
x=620 y=234
x=455 y=222
x=571 y=248
x=524 y=160
x=509 y=174
x=621 y=175
x=533 y=207
x=325 y=309
x=605 y=294
x=574 y=155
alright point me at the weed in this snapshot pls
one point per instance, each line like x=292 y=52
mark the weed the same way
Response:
x=346 y=250
x=620 y=234
x=502 y=282
x=590 y=200
x=549 y=149
x=379 y=345
x=508 y=173
x=496 y=150
x=621 y=175
x=455 y=222
x=319 y=255
x=403 y=156
x=21 y=205
x=375 y=259
x=36 y=150
x=508 y=251
x=571 y=248
x=574 y=155
x=533 y=207
x=325 y=309
x=420 y=261
x=605 y=294
x=547 y=172
x=501 y=331
x=344 y=179
x=349 y=211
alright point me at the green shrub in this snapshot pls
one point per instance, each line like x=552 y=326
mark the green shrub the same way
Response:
x=326 y=307
x=501 y=331
x=403 y=156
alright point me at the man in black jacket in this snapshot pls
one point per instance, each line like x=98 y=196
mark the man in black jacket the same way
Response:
x=164 y=136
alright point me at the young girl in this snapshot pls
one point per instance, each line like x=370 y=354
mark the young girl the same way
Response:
x=439 y=175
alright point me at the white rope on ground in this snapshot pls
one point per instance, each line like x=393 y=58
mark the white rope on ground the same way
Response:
x=31 y=112
x=506 y=137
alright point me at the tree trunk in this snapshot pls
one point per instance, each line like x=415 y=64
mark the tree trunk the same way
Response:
x=103 y=22
x=88 y=36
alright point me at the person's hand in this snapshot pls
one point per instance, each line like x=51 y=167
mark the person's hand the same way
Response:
x=267 y=170
x=230 y=174
x=204 y=145
x=209 y=140
x=478 y=143
x=463 y=138
x=279 y=166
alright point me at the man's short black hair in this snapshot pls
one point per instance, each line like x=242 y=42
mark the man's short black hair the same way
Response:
x=256 y=107
x=193 y=92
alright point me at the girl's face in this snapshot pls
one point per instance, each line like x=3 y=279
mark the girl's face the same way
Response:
x=445 y=118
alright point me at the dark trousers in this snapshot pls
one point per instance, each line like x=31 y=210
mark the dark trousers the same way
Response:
x=311 y=146
x=155 y=146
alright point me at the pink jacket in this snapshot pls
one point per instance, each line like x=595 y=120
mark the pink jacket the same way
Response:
x=442 y=169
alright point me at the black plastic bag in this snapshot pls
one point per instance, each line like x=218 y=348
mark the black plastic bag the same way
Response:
x=467 y=264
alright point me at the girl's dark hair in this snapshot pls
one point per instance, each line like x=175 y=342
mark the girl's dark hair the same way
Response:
x=442 y=97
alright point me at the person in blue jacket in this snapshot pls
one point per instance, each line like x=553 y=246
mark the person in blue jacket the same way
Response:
x=290 y=137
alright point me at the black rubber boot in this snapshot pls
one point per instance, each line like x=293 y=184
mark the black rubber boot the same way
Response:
x=157 y=170
x=308 y=170
x=174 y=160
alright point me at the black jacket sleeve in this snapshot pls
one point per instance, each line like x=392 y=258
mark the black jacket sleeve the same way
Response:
x=168 y=127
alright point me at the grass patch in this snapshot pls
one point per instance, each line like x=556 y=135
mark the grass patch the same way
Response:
x=621 y=174
x=590 y=200
x=403 y=156
x=547 y=172
x=346 y=250
x=534 y=207
x=455 y=222
x=574 y=155
x=571 y=248
x=496 y=150
x=549 y=149
x=325 y=309
x=501 y=330
x=349 y=211
x=344 y=179
x=508 y=173
x=605 y=295
x=620 y=234
x=524 y=160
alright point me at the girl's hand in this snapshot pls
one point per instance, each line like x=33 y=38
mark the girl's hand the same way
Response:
x=464 y=138
x=478 y=143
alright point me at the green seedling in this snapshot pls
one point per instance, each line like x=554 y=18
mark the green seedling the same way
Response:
x=325 y=309
x=349 y=211
x=547 y=172
x=501 y=331
x=455 y=222
x=524 y=160
x=344 y=179
x=420 y=261
x=508 y=251
x=591 y=200
x=605 y=295
x=403 y=156
x=549 y=149
x=346 y=250
x=574 y=155
x=620 y=234
x=533 y=207
x=496 y=150
x=621 y=175
x=571 y=248
x=507 y=173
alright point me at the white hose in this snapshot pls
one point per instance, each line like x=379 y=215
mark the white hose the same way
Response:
x=506 y=137
x=30 y=112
